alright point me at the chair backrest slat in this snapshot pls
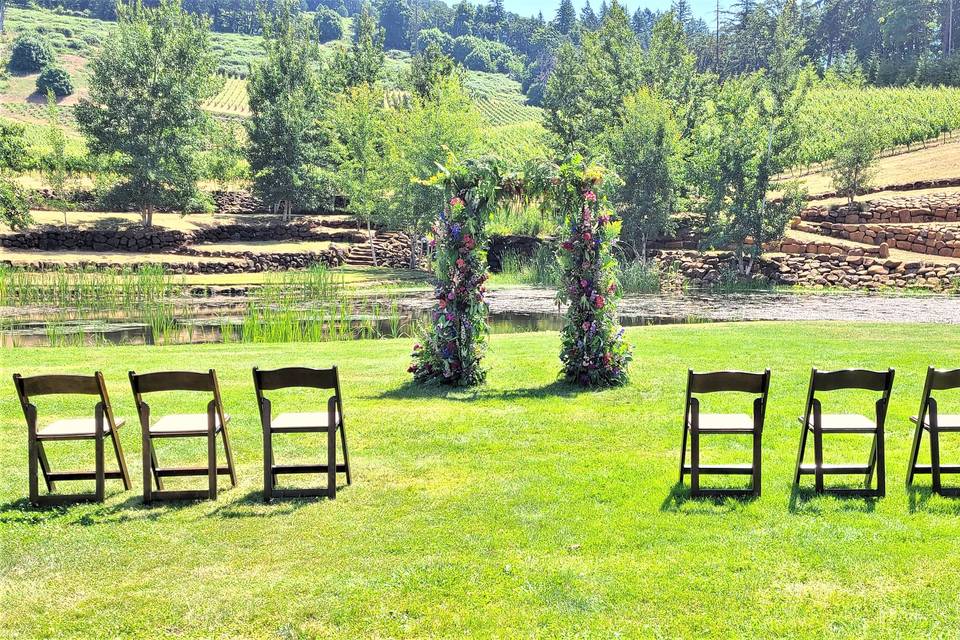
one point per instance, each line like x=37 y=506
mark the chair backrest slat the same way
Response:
x=293 y=377
x=943 y=380
x=852 y=379
x=59 y=384
x=722 y=381
x=172 y=381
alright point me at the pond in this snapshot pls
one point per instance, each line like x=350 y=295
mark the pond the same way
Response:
x=513 y=309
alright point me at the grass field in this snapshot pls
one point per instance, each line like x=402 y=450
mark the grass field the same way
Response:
x=525 y=508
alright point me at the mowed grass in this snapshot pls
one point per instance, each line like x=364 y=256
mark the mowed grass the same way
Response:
x=525 y=508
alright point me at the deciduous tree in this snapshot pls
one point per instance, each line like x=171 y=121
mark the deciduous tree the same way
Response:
x=146 y=87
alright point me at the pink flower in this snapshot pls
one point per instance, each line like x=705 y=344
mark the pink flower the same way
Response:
x=590 y=196
x=587 y=237
x=469 y=242
x=583 y=283
x=599 y=302
x=456 y=202
x=612 y=287
x=442 y=304
x=586 y=325
x=460 y=263
x=451 y=296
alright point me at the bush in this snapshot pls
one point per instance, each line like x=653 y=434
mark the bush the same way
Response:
x=434 y=36
x=478 y=54
x=328 y=25
x=30 y=54
x=14 y=211
x=55 y=79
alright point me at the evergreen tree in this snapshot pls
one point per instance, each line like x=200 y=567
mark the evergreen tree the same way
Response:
x=642 y=23
x=588 y=18
x=395 y=21
x=569 y=116
x=566 y=19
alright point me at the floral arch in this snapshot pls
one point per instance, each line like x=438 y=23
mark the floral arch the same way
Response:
x=593 y=351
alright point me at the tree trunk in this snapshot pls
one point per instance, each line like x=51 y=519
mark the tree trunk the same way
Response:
x=373 y=245
x=146 y=215
x=643 y=248
x=413 y=250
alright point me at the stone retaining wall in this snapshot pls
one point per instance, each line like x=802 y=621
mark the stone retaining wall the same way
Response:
x=861 y=272
x=169 y=241
x=934 y=240
x=933 y=207
x=916 y=185
x=793 y=245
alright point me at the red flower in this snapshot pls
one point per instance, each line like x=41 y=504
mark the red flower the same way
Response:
x=460 y=263
x=442 y=304
x=599 y=302
x=567 y=246
x=469 y=242
x=587 y=237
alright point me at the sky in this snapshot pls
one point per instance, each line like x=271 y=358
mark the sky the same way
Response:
x=701 y=8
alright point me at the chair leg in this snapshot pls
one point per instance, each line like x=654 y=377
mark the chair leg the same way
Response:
x=914 y=454
x=694 y=462
x=332 y=463
x=121 y=460
x=757 y=462
x=149 y=468
x=267 y=466
x=212 y=465
x=803 y=447
x=45 y=467
x=346 y=457
x=818 y=459
x=154 y=466
x=100 y=470
x=872 y=463
x=881 y=466
x=228 y=452
x=33 y=452
x=683 y=452
x=935 y=459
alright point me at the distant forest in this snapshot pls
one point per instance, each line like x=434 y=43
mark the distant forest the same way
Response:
x=891 y=42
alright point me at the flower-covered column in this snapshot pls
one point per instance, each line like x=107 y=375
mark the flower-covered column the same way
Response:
x=454 y=345
x=594 y=352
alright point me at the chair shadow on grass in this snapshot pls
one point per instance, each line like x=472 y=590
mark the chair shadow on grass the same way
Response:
x=679 y=500
x=806 y=500
x=410 y=390
x=131 y=508
x=251 y=505
x=919 y=500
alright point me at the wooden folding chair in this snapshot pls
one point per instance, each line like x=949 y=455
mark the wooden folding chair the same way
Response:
x=930 y=419
x=192 y=425
x=697 y=424
x=819 y=423
x=329 y=422
x=97 y=428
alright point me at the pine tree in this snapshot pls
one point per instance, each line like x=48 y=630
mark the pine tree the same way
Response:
x=566 y=19
x=588 y=18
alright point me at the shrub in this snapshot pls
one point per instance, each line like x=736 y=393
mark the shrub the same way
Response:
x=30 y=54
x=14 y=211
x=434 y=36
x=55 y=79
x=328 y=25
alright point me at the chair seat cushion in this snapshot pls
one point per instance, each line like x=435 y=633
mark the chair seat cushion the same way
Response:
x=726 y=422
x=844 y=423
x=302 y=421
x=950 y=422
x=183 y=424
x=74 y=428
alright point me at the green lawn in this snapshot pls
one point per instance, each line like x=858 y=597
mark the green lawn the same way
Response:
x=523 y=509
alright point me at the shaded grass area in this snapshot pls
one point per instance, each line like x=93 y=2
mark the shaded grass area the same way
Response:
x=523 y=508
